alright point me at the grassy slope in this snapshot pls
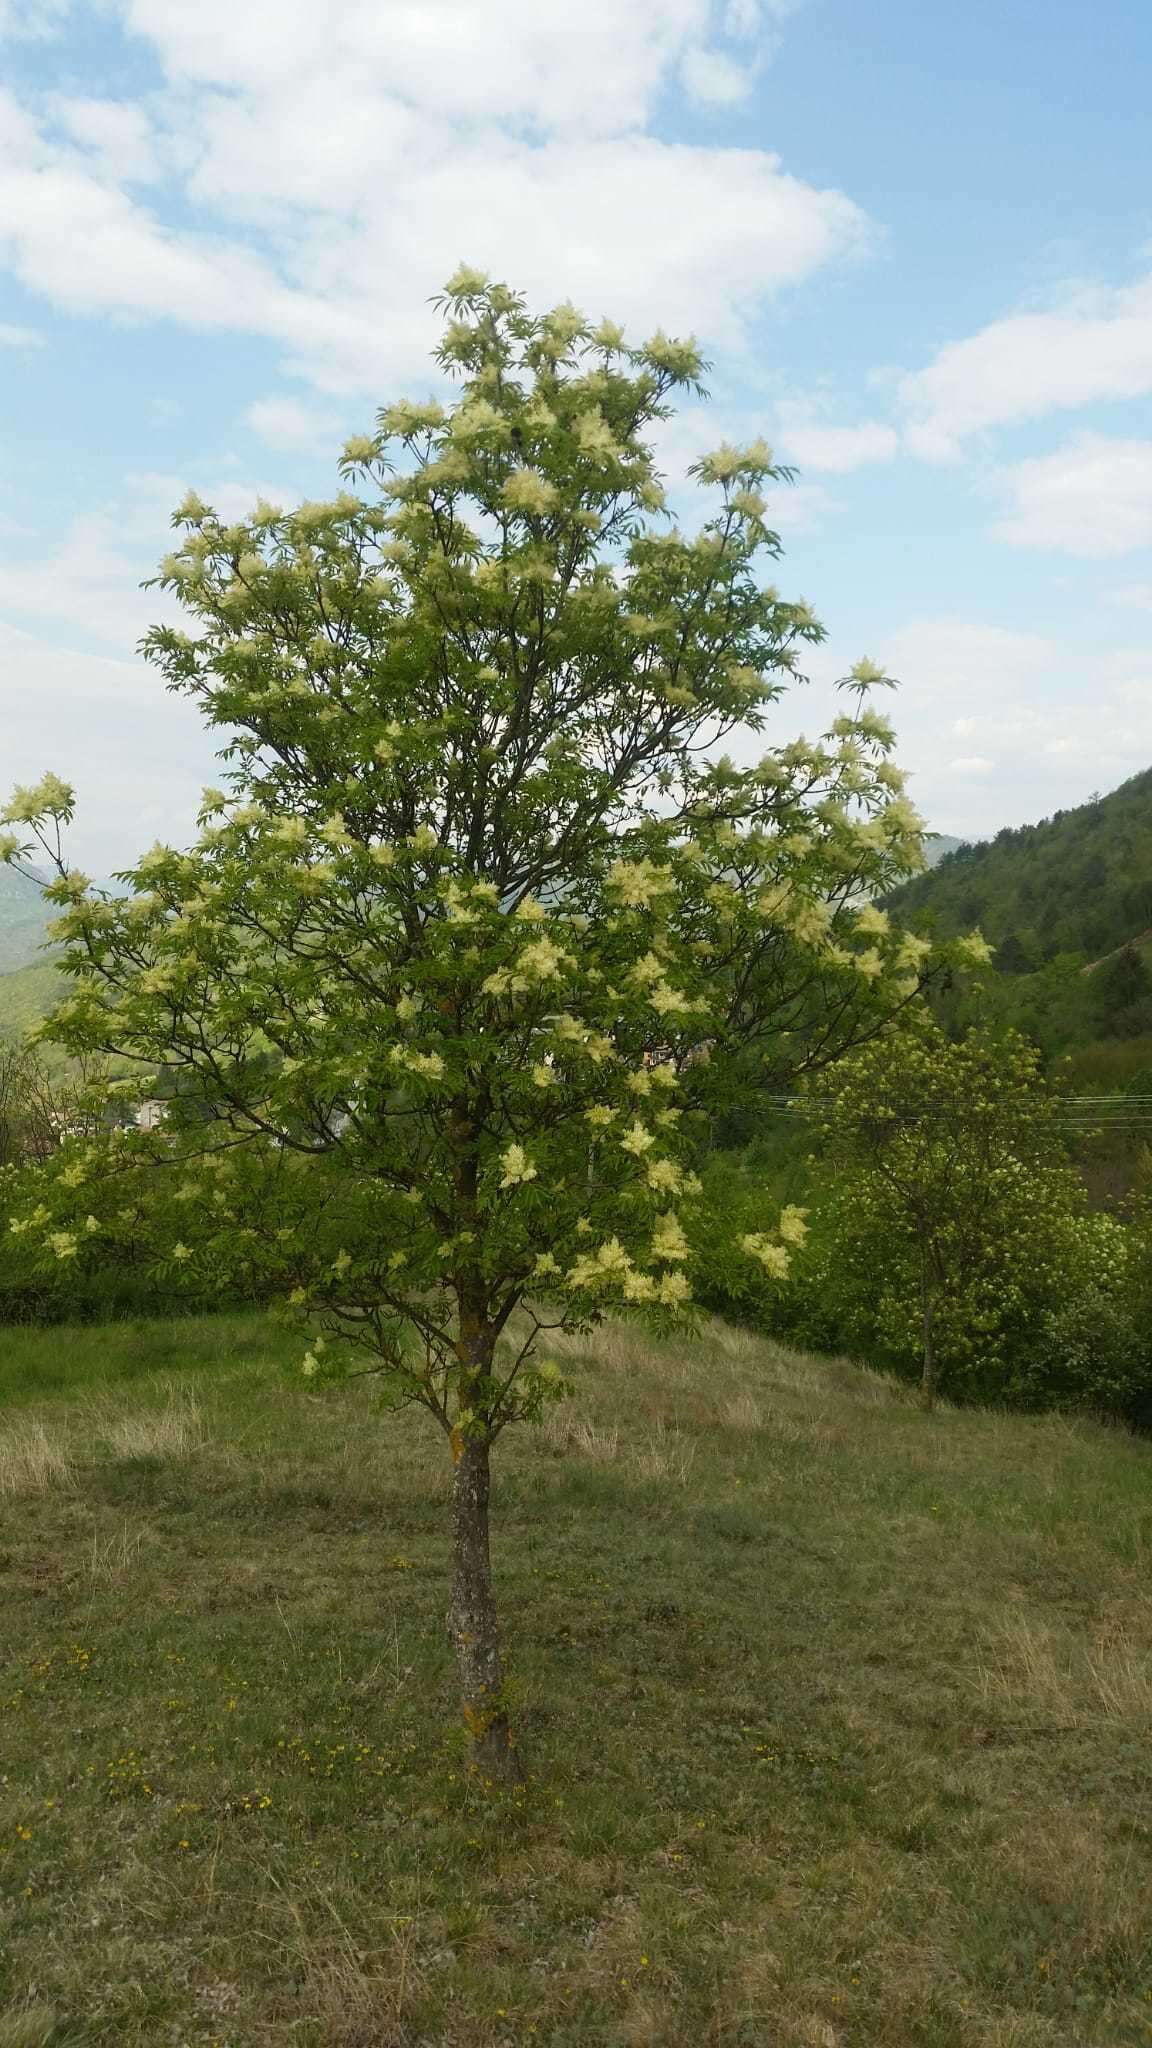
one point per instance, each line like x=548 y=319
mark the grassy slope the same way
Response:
x=837 y=1715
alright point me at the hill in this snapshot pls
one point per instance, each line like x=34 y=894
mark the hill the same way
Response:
x=938 y=846
x=835 y=1714
x=24 y=918
x=26 y=996
x=1079 y=883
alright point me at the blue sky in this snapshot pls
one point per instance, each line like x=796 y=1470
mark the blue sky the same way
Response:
x=915 y=241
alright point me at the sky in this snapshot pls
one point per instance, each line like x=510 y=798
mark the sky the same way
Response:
x=915 y=242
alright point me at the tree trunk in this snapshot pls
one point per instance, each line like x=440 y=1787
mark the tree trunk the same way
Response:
x=928 y=1367
x=472 y=1622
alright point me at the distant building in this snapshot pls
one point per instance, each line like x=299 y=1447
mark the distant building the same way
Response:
x=151 y=1114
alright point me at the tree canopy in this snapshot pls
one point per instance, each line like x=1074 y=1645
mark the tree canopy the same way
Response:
x=486 y=916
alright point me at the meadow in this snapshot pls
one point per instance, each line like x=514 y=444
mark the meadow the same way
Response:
x=836 y=1716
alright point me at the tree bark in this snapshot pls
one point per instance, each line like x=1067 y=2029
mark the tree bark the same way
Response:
x=928 y=1367
x=472 y=1622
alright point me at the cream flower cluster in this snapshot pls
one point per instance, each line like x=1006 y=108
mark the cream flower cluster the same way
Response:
x=773 y=1253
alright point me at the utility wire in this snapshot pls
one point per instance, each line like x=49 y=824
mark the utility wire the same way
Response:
x=1075 y=1112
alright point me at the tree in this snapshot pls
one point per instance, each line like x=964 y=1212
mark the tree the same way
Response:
x=484 y=923
x=943 y=1149
x=1120 y=991
x=28 y=1125
x=39 y=1109
x=1013 y=956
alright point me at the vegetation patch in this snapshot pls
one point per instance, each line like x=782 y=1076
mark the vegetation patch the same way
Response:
x=836 y=1713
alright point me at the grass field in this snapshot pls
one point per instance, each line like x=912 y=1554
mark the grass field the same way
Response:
x=838 y=1717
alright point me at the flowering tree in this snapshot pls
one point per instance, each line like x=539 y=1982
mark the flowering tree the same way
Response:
x=484 y=917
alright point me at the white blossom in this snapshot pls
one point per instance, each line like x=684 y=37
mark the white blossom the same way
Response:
x=518 y=1168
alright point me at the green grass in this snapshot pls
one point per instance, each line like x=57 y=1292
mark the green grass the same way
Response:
x=837 y=1716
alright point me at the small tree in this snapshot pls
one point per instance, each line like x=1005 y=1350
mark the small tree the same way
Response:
x=485 y=921
x=28 y=1125
x=942 y=1149
x=40 y=1108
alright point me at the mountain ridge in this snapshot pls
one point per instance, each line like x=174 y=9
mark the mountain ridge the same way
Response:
x=1077 y=883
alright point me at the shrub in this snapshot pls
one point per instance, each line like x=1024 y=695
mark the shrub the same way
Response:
x=1046 y=1316
x=948 y=1238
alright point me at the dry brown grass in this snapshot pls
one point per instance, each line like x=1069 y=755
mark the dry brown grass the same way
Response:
x=993 y=2031
x=664 y=1455
x=1039 y=1669
x=1065 y=1862
x=742 y=1412
x=658 y=1452
x=32 y=1459
x=563 y=1431
x=622 y=1349
x=169 y=1432
x=112 y=1556
x=356 y=2001
x=358 y=1996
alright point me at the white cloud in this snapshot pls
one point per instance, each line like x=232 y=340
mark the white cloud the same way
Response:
x=1047 y=720
x=87 y=581
x=710 y=76
x=19 y=337
x=1055 y=718
x=839 y=449
x=287 y=423
x=87 y=586
x=118 y=136
x=1097 y=346
x=1138 y=595
x=339 y=162
x=1092 y=497
x=136 y=756
x=543 y=65
x=88 y=247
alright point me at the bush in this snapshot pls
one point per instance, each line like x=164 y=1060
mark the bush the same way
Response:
x=1052 y=1317
x=1038 y=1301
x=118 y=1276
x=1047 y=1317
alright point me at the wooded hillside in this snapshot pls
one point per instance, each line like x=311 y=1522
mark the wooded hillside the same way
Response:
x=1080 y=882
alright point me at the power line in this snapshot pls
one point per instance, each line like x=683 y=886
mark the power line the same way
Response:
x=1086 y=1113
